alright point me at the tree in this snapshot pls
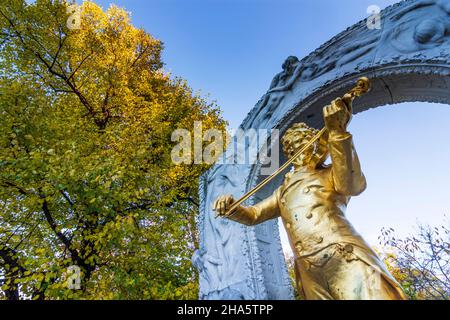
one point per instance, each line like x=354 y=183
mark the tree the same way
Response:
x=290 y=264
x=420 y=262
x=86 y=177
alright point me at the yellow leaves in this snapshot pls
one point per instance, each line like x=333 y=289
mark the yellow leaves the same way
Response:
x=59 y=285
x=38 y=277
x=141 y=192
x=107 y=185
x=99 y=183
x=142 y=151
x=178 y=293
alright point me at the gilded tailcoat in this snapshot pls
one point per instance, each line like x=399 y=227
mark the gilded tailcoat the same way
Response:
x=332 y=261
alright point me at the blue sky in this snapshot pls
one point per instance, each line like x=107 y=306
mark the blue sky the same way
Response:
x=231 y=49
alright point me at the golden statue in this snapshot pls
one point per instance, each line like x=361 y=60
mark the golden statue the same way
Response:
x=332 y=261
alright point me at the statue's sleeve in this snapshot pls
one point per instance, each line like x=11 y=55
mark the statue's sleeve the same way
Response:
x=348 y=179
x=258 y=213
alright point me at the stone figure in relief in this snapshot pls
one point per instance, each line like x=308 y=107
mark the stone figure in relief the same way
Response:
x=283 y=81
x=412 y=31
x=332 y=261
x=217 y=260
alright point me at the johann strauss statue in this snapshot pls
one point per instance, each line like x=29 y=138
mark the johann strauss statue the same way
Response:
x=332 y=261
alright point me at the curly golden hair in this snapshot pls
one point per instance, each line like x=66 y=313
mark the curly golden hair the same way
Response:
x=299 y=134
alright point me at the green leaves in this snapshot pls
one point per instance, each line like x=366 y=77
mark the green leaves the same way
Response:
x=86 y=178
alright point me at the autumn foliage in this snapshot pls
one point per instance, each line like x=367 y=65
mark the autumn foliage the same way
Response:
x=86 y=179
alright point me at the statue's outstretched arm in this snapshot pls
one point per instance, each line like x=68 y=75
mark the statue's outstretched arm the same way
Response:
x=252 y=215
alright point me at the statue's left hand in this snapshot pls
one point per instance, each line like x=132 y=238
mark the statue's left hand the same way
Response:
x=222 y=204
x=337 y=115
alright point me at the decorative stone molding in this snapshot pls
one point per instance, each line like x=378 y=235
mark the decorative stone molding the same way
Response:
x=408 y=59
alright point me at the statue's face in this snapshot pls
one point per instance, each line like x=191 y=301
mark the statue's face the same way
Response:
x=289 y=63
x=293 y=144
x=296 y=138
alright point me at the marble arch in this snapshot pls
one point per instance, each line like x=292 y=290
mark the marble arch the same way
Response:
x=408 y=59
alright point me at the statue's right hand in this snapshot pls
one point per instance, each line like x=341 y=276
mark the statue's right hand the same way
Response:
x=222 y=204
